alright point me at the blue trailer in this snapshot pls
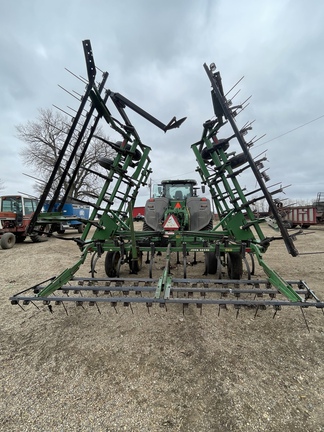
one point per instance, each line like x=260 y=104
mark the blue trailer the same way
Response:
x=73 y=213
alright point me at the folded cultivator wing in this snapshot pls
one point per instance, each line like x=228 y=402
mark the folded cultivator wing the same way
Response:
x=177 y=226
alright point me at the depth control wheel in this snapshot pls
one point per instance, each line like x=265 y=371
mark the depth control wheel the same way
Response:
x=234 y=265
x=112 y=264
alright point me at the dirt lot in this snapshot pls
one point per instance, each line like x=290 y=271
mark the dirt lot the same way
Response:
x=162 y=371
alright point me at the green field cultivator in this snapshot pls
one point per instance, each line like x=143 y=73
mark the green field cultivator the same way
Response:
x=230 y=249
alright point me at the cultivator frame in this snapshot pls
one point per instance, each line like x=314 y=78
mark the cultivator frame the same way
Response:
x=237 y=238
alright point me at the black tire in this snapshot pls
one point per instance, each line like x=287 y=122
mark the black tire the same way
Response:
x=237 y=160
x=60 y=231
x=20 y=238
x=221 y=144
x=135 y=266
x=211 y=263
x=81 y=228
x=112 y=263
x=8 y=240
x=146 y=227
x=305 y=226
x=36 y=238
x=234 y=265
x=208 y=227
x=117 y=147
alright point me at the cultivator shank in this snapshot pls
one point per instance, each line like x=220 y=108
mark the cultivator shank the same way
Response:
x=228 y=250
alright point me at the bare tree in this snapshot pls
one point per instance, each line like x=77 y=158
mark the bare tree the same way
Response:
x=44 y=139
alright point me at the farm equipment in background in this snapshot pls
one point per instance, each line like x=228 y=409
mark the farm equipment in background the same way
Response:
x=174 y=226
x=72 y=212
x=16 y=212
x=176 y=206
x=303 y=215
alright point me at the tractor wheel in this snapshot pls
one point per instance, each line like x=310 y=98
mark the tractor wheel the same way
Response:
x=112 y=264
x=208 y=227
x=60 y=231
x=146 y=227
x=305 y=226
x=234 y=265
x=7 y=240
x=135 y=266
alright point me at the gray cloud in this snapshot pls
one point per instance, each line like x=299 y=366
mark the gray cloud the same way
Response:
x=154 y=52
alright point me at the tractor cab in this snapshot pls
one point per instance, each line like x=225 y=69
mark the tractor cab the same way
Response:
x=16 y=212
x=176 y=206
x=178 y=190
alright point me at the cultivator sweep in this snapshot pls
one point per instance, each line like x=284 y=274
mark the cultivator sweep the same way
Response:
x=228 y=250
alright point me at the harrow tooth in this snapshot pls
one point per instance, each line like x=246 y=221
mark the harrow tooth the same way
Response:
x=91 y=303
x=26 y=302
x=58 y=302
x=79 y=303
x=46 y=302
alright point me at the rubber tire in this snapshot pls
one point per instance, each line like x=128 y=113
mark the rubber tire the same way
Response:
x=138 y=264
x=206 y=153
x=211 y=262
x=8 y=240
x=36 y=238
x=81 y=228
x=237 y=160
x=111 y=262
x=305 y=226
x=59 y=231
x=234 y=265
x=209 y=226
x=146 y=227
x=117 y=147
x=20 y=238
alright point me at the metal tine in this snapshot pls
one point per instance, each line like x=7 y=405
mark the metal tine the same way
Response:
x=71 y=94
x=65 y=308
x=306 y=323
x=65 y=112
x=251 y=142
x=237 y=82
x=98 y=308
x=21 y=306
x=72 y=109
x=76 y=76
x=276 y=308
x=34 y=304
x=256 y=312
x=79 y=94
x=114 y=304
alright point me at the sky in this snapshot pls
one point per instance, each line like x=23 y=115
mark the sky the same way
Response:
x=154 y=52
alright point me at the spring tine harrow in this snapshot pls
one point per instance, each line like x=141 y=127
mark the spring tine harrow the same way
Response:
x=235 y=243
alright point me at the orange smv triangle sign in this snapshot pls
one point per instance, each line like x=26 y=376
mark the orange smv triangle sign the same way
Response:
x=178 y=205
x=171 y=223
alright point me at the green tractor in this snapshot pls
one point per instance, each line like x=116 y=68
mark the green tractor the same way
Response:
x=175 y=206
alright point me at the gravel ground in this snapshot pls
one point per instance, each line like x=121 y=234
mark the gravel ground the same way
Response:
x=158 y=371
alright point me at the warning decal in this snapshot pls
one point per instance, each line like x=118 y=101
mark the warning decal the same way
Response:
x=171 y=223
